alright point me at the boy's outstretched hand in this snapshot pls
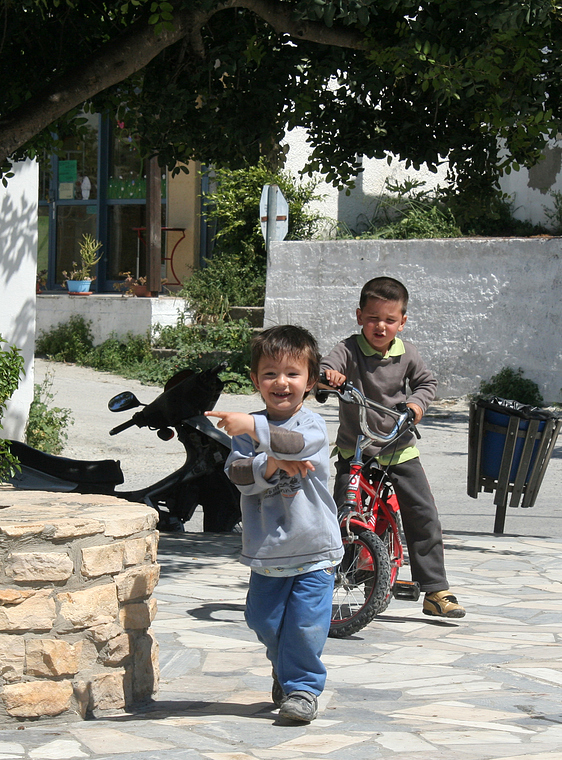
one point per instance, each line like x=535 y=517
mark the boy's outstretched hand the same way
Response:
x=235 y=423
x=290 y=466
x=239 y=423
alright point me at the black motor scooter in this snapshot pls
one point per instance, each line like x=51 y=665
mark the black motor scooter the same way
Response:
x=200 y=481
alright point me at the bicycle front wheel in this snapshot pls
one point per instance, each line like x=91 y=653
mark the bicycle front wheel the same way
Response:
x=362 y=587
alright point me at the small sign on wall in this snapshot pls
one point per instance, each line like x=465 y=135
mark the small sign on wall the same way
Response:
x=68 y=174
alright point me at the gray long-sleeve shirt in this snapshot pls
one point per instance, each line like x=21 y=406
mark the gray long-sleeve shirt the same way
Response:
x=286 y=521
x=399 y=376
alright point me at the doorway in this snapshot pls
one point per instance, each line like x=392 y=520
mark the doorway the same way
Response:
x=95 y=185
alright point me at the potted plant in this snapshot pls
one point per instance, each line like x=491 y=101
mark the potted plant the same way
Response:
x=132 y=286
x=80 y=278
x=40 y=281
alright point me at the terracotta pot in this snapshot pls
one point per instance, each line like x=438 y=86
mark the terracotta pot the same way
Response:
x=141 y=291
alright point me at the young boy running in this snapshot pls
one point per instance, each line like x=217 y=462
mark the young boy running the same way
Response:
x=290 y=533
x=381 y=365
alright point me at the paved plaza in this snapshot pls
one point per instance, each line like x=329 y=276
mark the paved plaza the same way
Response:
x=484 y=687
x=408 y=686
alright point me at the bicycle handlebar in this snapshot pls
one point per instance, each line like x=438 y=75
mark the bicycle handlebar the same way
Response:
x=349 y=394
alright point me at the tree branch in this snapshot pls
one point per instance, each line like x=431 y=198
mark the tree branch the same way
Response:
x=134 y=49
x=281 y=17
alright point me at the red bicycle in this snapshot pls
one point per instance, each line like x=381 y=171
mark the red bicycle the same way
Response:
x=369 y=518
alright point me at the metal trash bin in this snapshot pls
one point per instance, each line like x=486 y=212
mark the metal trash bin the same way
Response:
x=509 y=448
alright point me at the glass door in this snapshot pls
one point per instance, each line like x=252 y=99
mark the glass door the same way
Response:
x=68 y=203
x=95 y=185
x=126 y=207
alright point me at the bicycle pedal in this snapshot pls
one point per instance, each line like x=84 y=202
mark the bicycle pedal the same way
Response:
x=407 y=590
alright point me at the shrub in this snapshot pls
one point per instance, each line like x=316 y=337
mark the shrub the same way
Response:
x=235 y=273
x=11 y=367
x=408 y=211
x=422 y=223
x=510 y=384
x=203 y=346
x=554 y=215
x=195 y=347
x=47 y=425
x=67 y=342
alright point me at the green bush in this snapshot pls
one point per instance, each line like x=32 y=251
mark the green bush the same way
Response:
x=196 y=347
x=67 y=342
x=235 y=273
x=11 y=367
x=554 y=215
x=497 y=220
x=510 y=384
x=408 y=211
x=47 y=425
x=211 y=291
x=405 y=211
x=203 y=346
x=422 y=223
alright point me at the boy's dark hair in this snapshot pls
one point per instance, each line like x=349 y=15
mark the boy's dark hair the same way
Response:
x=386 y=288
x=287 y=340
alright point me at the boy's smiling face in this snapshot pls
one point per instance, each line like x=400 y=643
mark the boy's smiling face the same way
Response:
x=282 y=383
x=381 y=320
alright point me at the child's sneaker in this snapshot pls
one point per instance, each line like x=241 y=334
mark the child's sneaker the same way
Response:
x=278 y=696
x=442 y=604
x=299 y=705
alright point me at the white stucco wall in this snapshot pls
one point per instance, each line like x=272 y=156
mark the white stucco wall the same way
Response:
x=475 y=305
x=531 y=190
x=108 y=314
x=18 y=265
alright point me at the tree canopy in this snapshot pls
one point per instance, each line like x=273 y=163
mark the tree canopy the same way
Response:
x=222 y=81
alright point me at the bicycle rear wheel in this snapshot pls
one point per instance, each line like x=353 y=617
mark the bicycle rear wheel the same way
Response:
x=362 y=587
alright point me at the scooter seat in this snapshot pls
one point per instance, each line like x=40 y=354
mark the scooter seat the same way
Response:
x=104 y=471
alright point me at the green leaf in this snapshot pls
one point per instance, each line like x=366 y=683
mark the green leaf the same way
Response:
x=363 y=15
x=329 y=13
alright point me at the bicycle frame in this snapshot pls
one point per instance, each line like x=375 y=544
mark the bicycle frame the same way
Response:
x=369 y=521
x=377 y=515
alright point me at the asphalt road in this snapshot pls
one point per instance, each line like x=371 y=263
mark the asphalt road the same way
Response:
x=444 y=444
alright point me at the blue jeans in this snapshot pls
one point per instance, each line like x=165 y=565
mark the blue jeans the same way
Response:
x=291 y=616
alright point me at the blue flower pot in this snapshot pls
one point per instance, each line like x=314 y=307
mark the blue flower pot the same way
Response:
x=78 y=286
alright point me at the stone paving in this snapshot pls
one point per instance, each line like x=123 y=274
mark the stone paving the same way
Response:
x=480 y=688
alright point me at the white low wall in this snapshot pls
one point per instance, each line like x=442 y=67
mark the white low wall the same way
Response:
x=476 y=305
x=108 y=313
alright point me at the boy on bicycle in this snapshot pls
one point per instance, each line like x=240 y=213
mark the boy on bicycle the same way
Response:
x=381 y=365
x=291 y=539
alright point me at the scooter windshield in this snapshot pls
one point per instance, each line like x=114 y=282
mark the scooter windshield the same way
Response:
x=192 y=396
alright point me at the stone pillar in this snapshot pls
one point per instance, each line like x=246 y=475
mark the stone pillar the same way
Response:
x=76 y=577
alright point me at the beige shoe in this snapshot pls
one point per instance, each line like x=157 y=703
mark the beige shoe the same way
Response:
x=442 y=604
